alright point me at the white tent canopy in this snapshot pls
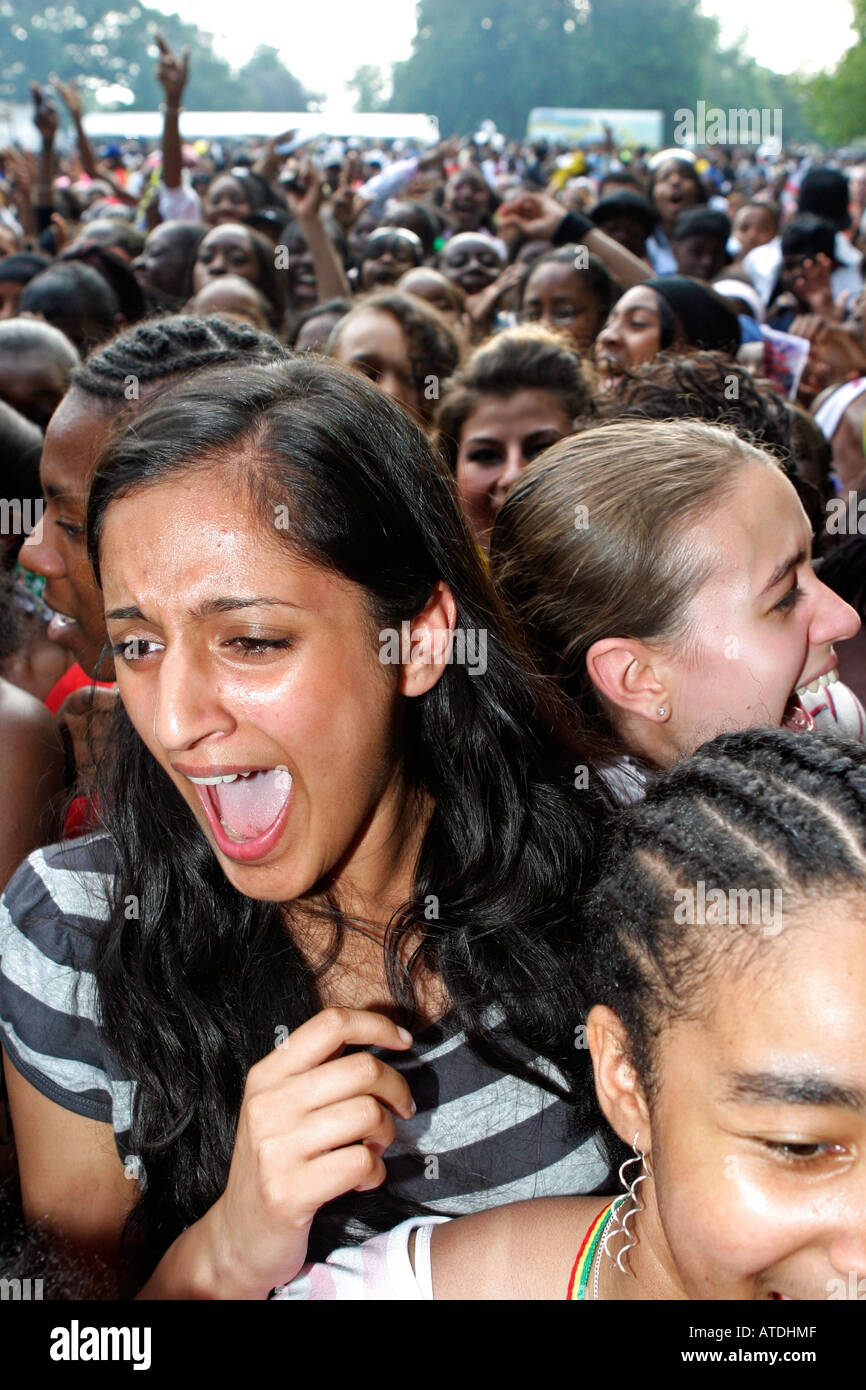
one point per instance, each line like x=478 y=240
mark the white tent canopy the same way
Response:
x=215 y=125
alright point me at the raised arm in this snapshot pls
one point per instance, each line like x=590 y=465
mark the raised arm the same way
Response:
x=331 y=281
x=45 y=120
x=539 y=215
x=172 y=71
x=268 y=163
x=72 y=100
x=19 y=167
x=69 y=94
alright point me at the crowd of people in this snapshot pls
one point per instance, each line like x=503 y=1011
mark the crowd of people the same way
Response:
x=432 y=759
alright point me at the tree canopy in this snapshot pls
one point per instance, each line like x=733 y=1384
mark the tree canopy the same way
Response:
x=835 y=102
x=473 y=59
x=100 y=46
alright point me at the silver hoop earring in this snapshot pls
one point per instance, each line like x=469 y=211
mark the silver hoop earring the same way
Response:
x=628 y=1211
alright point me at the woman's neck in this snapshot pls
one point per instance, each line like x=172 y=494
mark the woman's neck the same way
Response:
x=363 y=894
x=651 y=1271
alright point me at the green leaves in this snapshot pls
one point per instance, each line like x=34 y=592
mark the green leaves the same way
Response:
x=100 y=44
x=473 y=59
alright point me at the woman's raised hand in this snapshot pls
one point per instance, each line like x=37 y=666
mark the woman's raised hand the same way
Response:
x=314 y=1124
x=534 y=214
x=171 y=70
x=304 y=206
x=70 y=95
x=44 y=113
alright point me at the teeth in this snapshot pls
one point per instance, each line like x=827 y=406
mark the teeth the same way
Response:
x=228 y=777
x=819 y=683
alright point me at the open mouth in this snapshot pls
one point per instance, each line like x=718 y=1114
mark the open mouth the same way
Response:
x=797 y=715
x=246 y=809
x=819 y=683
x=474 y=284
x=609 y=369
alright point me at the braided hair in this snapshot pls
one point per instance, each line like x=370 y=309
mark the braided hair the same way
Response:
x=168 y=347
x=761 y=809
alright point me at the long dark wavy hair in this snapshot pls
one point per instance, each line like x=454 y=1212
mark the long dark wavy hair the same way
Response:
x=191 y=992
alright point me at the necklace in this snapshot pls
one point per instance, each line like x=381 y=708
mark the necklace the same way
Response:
x=597 y=1264
x=589 y=1256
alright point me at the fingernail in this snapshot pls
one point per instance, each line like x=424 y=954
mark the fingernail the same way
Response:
x=405 y=1035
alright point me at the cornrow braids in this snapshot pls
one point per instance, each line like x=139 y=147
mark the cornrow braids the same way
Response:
x=761 y=810
x=171 y=346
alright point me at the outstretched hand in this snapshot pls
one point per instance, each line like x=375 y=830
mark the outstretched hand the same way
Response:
x=44 y=115
x=171 y=70
x=535 y=214
x=305 y=205
x=70 y=95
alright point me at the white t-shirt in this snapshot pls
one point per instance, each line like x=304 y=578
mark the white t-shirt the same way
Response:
x=179 y=204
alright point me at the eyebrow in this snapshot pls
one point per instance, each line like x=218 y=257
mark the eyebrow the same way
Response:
x=633 y=309
x=210 y=607
x=58 y=494
x=489 y=439
x=781 y=570
x=363 y=358
x=764 y=1086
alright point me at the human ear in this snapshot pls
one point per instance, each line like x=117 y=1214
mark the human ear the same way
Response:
x=617 y=1085
x=623 y=672
x=426 y=650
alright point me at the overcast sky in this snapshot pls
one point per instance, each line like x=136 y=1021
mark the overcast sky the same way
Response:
x=324 y=43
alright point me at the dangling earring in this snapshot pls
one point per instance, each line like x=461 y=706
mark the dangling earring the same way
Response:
x=661 y=711
x=628 y=1211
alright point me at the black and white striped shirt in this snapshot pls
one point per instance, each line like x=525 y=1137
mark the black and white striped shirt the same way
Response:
x=479 y=1138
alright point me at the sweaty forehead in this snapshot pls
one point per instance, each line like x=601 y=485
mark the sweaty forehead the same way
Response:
x=164 y=239
x=30 y=373
x=673 y=167
x=206 y=537
x=638 y=298
x=554 y=275
x=756 y=527
x=231 y=235
x=76 y=435
x=467 y=243
x=426 y=281
x=372 y=332
x=228 y=184
x=525 y=412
